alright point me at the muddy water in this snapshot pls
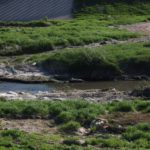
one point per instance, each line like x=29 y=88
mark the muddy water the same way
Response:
x=33 y=88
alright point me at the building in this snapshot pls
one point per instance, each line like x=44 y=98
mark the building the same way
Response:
x=27 y=10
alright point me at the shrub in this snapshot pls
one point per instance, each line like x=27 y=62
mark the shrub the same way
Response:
x=123 y=107
x=29 y=110
x=95 y=141
x=3 y=99
x=147 y=110
x=13 y=133
x=142 y=105
x=140 y=131
x=70 y=126
x=113 y=143
x=64 y=117
x=144 y=127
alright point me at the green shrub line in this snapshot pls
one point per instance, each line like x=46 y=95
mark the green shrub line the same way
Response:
x=69 y=110
x=37 y=23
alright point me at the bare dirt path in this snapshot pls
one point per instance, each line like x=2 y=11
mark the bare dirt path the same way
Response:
x=30 y=125
x=143 y=27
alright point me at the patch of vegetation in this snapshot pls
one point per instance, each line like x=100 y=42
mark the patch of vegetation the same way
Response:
x=110 y=59
x=3 y=99
x=71 y=126
x=140 y=131
x=17 y=140
x=112 y=7
x=82 y=113
x=37 y=23
x=143 y=106
x=15 y=41
x=135 y=137
x=124 y=106
x=63 y=112
x=89 y=26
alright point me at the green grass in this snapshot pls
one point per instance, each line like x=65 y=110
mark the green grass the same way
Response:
x=81 y=114
x=134 y=138
x=70 y=127
x=63 y=112
x=90 y=25
x=80 y=111
x=15 y=41
x=112 y=7
x=17 y=140
x=38 y=23
x=130 y=59
x=111 y=59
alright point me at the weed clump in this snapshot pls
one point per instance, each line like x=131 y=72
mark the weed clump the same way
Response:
x=123 y=107
x=71 y=126
x=15 y=134
x=3 y=99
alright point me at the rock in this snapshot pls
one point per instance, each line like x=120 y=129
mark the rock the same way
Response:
x=146 y=91
x=45 y=98
x=21 y=93
x=34 y=64
x=82 y=131
x=116 y=129
x=74 y=80
x=136 y=92
x=113 y=90
x=74 y=142
x=12 y=93
x=137 y=77
x=143 y=92
x=100 y=124
x=62 y=77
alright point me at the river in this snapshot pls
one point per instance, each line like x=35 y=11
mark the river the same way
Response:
x=34 y=88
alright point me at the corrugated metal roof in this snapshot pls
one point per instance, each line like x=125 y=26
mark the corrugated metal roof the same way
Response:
x=26 y=10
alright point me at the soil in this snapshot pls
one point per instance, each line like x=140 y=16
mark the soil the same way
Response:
x=48 y=127
x=143 y=27
x=37 y=126
x=130 y=118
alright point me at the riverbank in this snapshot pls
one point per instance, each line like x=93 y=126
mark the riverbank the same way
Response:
x=110 y=62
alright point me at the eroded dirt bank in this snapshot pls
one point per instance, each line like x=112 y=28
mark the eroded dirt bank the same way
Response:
x=36 y=73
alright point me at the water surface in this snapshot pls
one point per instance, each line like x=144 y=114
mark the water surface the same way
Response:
x=33 y=88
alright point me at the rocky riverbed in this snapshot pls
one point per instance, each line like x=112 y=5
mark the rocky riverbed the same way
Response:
x=94 y=95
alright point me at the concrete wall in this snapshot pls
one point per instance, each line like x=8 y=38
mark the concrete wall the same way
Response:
x=26 y=10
